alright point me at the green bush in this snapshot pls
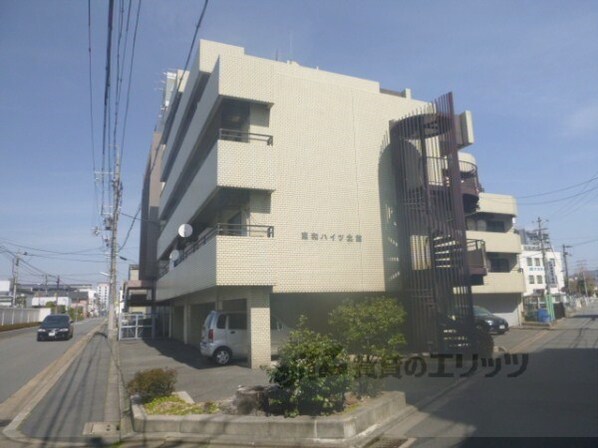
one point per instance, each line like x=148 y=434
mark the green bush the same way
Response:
x=153 y=383
x=312 y=374
x=371 y=330
x=9 y=327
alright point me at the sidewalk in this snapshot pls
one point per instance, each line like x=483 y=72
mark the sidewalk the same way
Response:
x=81 y=396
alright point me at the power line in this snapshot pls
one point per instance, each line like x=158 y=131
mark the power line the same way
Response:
x=91 y=120
x=594 y=177
x=122 y=143
x=130 y=228
x=106 y=122
x=79 y=252
x=584 y=242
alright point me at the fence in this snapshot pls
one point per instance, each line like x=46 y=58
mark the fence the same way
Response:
x=10 y=316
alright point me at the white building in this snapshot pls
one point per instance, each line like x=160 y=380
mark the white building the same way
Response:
x=538 y=277
x=303 y=187
x=5 y=293
x=103 y=292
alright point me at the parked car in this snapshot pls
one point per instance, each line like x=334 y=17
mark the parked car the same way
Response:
x=490 y=322
x=55 y=326
x=224 y=336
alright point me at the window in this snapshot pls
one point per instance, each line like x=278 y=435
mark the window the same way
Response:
x=499 y=265
x=221 y=324
x=495 y=226
x=529 y=261
x=531 y=277
x=537 y=261
x=539 y=278
x=237 y=322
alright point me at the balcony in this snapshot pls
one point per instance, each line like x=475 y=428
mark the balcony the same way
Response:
x=498 y=204
x=229 y=164
x=227 y=255
x=501 y=283
x=507 y=242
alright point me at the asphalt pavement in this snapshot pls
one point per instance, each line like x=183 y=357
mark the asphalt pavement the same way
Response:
x=555 y=396
x=22 y=356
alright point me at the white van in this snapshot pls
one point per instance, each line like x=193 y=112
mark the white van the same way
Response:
x=224 y=336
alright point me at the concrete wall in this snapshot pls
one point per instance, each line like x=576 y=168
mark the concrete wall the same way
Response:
x=10 y=316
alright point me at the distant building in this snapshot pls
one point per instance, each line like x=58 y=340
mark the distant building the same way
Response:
x=540 y=278
x=493 y=222
x=103 y=291
x=5 y=293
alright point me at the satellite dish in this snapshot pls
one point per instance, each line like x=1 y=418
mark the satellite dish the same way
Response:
x=174 y=255
x=185 y=230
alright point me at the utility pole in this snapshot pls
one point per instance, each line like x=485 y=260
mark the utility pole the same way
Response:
x=117 y=192
x=565 y=254
x=46 y=283
x=15 y=274
x=546 y=294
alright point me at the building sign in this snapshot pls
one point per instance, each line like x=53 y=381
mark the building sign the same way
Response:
x=340 y=237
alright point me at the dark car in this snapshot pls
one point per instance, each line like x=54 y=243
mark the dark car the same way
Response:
x=55 y=326
x=489 y=322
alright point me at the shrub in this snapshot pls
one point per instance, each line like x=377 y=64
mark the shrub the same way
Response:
x=312 y=374
x=153 y=383
x=371 y=330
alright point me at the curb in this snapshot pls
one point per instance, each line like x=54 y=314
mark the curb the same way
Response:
x=356 y=434
x=41 y=385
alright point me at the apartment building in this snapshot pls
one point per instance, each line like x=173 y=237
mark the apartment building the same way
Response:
x=276 y=188
x=103 y=292
x=541 y=275
x=493 y=222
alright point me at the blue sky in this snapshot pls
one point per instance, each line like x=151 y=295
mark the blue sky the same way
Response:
x=528 y=71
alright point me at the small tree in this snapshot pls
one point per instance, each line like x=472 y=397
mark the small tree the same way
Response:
x=371 y=330
x=312 y=374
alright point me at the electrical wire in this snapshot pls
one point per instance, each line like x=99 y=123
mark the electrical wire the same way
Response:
x=130 y=228
x=106 y=121
x=130 y=77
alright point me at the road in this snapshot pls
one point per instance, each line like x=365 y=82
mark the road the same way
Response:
x=556 y=396
x=22 y=357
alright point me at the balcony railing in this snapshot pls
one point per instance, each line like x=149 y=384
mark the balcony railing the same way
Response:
x=221 y=229
x=476 y=257
x=470 y=182
x=246 y=137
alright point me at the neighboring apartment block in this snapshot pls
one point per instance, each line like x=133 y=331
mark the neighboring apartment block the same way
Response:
x=493 y=222
x=301 y=188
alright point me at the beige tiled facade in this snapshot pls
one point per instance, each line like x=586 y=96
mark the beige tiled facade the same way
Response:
x=503 y=286
x=306 y=174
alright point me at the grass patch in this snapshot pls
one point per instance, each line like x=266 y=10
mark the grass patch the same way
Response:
x=9 y=327
x=174 y=405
